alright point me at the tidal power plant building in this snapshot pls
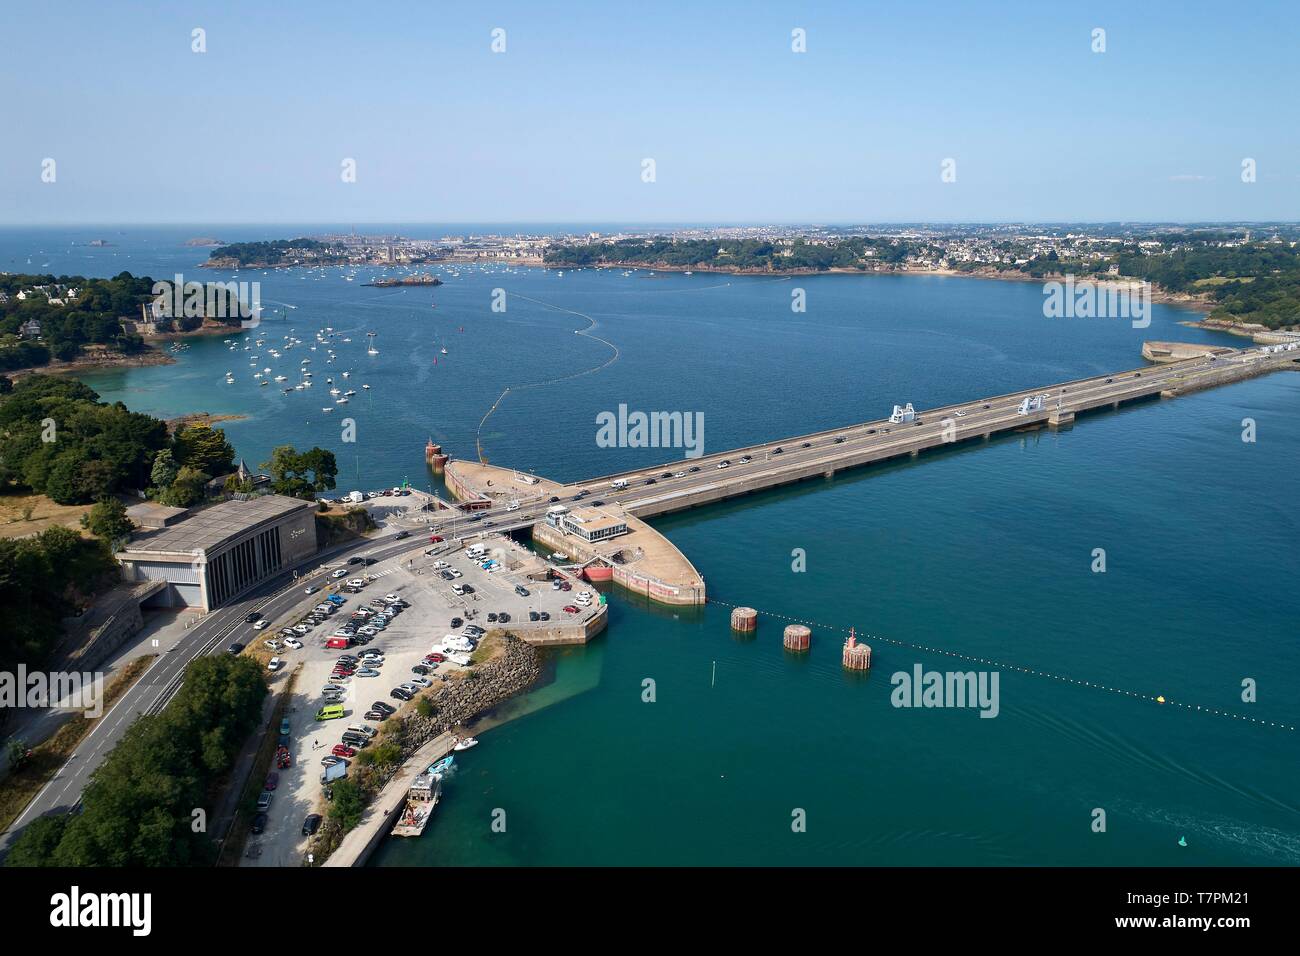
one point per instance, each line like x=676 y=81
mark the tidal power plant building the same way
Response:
x=213 y=556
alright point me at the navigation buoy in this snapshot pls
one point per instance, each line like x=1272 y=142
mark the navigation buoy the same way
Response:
x=857 y=657
x=1160 y=700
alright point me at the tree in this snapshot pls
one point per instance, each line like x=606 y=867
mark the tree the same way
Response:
x=187 y=489
x=164 y=470
x=108 y=519
x=347 y=805
x=297 y=474
x=205 y=448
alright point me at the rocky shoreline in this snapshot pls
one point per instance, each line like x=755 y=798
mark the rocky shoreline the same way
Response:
x=513 y=671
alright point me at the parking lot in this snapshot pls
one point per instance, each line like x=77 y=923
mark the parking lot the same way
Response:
x=429 y=605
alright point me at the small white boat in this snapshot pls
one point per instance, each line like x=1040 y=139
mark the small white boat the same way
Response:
x=465 y=744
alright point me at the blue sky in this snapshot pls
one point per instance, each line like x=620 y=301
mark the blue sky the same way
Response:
x=555 y=129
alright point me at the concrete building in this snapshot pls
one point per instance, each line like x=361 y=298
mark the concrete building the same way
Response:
x=591 y=524
x=215 y=555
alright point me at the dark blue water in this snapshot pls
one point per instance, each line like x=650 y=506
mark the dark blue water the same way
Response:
x=984 y=551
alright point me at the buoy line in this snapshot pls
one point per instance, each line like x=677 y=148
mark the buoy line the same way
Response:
x=1094 y=685
x=478 y=435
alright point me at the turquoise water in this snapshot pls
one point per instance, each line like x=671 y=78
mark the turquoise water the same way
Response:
x=983 y=550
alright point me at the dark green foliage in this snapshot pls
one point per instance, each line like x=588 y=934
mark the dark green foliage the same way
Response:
x=139 y=807
x=58 y=439
x=42 y=580
x=299 y=474
x=92 y=318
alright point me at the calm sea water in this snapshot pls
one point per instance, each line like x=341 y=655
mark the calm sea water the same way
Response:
x=984 y=551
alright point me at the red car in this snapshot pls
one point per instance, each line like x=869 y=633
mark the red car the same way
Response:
x=434 y=659
x=272 y=781
x=282 y=758
x=570 y=609
x=435 y=539
x=343 y=750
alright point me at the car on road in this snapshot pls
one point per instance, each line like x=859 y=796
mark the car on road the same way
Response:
x=339 y=573
x=250 y=618
x=806 y=444
x=311 y=824
x=745 y=459
x=724 y=464
x=778 y=450
x=235 y=648
x=435 y=539
x=401 y=535
x=272 y=781
x=311 y=589
x=651 y=481
x=552 y=500
x=259 y=823
x=839 y=439
x=261 y=625
x=693 y=469
x=285 y=726
x=264 y=801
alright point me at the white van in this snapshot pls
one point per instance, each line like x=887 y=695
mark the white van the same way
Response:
x=618 y=484
x=364 y=729
x=474 y=552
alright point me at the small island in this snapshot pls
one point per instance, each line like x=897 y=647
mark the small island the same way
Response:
x=424 y=279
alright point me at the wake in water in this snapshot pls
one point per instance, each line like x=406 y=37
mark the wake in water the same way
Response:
x=592 y=323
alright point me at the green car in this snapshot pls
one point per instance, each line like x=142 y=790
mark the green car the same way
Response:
x=284 y=726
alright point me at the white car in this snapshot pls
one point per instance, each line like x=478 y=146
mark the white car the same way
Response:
x=680 y=474
x=274 y=664
x=391 y=598
x=440 y=565
x=339 y=573
x=293 y=642
x=261 y=625
x=456 y=574
x=273 y=645
x=312 y=589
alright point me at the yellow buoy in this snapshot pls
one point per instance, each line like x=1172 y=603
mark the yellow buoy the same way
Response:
x=1160 y=700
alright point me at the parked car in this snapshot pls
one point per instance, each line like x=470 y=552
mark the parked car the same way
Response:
x=264 y=801
x=398 y=694
x=311 y=824
x=383 y=708
x=420 y=669
x=521 y=590
x=259 y=823
x=421 y=682
x=545 y=616
x=285 y=726
x=570 y=609
x=343 y=750
x=272 y=781
x=435 y=539
x=534 y=616
x=293 y=642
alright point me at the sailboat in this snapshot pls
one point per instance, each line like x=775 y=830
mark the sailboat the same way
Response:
x=371 y=350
